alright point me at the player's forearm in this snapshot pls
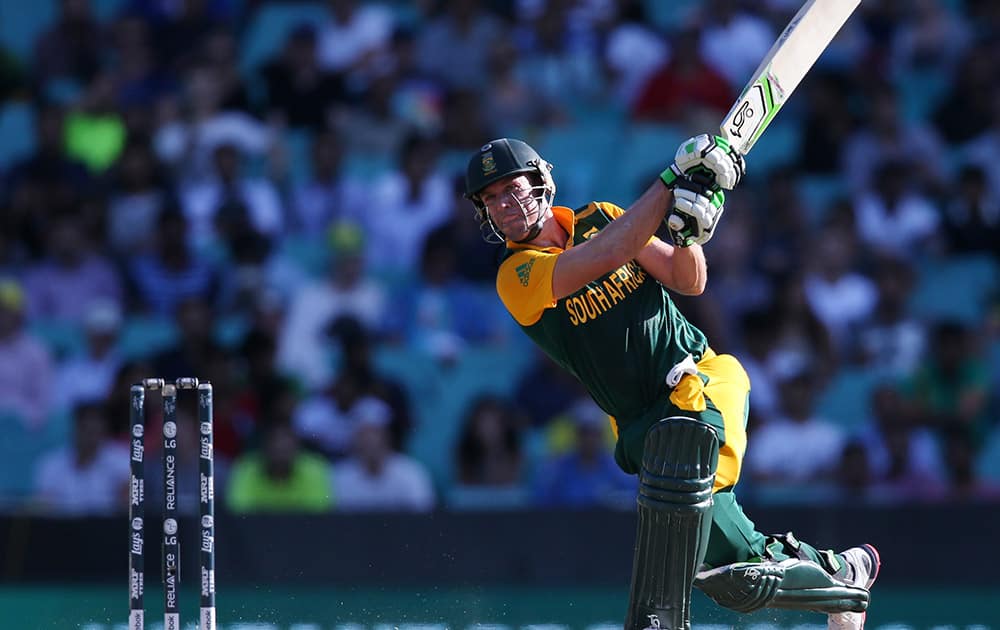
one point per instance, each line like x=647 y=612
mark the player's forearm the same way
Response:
x=680 y=269
x=614 y=246
x=625 y=237
x=689 y=271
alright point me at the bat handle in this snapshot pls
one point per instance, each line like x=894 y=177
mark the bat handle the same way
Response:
x=681 y=230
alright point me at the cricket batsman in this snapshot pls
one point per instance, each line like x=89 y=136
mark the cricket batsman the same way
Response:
x=591 y=287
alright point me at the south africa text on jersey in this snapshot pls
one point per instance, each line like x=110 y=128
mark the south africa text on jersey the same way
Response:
x=600 y=296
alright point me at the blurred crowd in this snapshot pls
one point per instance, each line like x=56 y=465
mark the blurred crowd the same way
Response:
x=268 y=195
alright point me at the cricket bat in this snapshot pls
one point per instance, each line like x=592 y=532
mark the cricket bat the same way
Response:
x=797 y=49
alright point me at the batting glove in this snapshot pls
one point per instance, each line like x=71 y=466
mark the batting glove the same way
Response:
x=711 y=156
x=697 y=209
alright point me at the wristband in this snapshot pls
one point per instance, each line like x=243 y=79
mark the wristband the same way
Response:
x=670 y=175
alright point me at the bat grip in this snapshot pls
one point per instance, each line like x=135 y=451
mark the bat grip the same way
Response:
x=681 y=229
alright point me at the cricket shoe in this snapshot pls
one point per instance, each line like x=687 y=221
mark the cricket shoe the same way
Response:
x=862 y=568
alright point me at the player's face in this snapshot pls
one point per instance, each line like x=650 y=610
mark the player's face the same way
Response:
x=512 y=205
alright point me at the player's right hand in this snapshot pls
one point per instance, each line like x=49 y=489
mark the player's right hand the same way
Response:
x=697 y=209
x=713 y=157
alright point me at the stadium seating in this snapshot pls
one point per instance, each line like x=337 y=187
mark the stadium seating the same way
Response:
x=17 y=127
x=956 y=288
x=270 y=25
x=21 y=22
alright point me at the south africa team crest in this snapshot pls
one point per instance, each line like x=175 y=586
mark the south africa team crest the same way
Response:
x=489 y=164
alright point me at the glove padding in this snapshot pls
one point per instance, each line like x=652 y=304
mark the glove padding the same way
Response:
x=713 y=156
x=697 y=209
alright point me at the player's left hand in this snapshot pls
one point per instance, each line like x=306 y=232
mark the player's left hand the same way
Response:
x=697 y=209
x=713 y=157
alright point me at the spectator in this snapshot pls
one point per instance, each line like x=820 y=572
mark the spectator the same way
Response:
x=972 y=216
x=91 y=375
x=545 y=389
x=348 y=290
x=781 y=231
x=419 y=99
x=588 y=476
x=440 y=314
x=329 y=195
x=984 y=149
x=351 y=40
x=71 y=47
x=463 y=30
x=558 y=61
x=888 y=137
x=95 y=130
x=960 y=455
x=729 y=27
x=683 y=88
x=370 y=127
x=279 y=476
x=219 y=53
x=196 y=344
x=324 y=418
x=50 y=167
x=965 y=109
x=90 y=476
x=826 y=123
x=411 y=202
x=930 y=39
x=46 y=182
x=138 y=78
x=633 y=51
x=138 y=196
x=759 y=336
x=488 y=452
x=230 y=203
x=375 y=477
x=179 y=24
x=171 y=272
x=798 y=447
x=853 y=475
x=737 y=284
x=25 y=365
x=892 y=218
x=514 y=103
x=465 y=122
x=905 y=460
x=298 y=89
x=950 y=392
x=189 y=129
x=323 y=422
x=892 y=341
x=256 y=386
x=72 y=276
x=12 y=79
x=478 y=258
x=840 y=297
x=357 y=360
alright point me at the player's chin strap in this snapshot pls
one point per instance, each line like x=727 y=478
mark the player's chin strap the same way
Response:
x=545 y=198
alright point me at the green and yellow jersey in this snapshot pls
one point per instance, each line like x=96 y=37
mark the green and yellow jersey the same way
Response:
x=619 y=335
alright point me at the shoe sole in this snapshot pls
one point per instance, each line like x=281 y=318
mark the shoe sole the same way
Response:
x=873 y=552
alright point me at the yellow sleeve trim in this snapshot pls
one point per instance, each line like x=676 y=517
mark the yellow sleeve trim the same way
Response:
x=524 y=284
x=609 y=209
